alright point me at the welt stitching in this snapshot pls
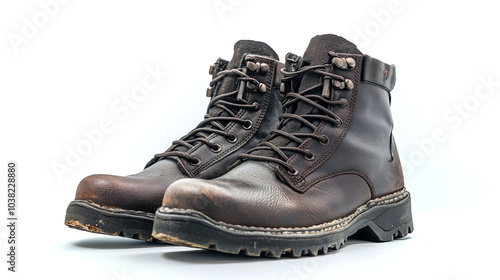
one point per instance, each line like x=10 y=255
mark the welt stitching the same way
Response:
x=387 y=199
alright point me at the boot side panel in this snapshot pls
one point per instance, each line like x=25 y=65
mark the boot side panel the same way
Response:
x=369 y=146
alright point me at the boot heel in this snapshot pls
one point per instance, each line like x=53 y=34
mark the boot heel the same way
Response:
x=395 y=221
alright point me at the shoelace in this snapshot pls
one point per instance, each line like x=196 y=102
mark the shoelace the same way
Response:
x=214 y=124
x=319 y=102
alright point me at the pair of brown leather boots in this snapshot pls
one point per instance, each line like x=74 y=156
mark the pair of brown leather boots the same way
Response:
x=290 y=159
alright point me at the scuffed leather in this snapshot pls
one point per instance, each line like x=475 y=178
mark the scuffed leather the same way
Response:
x=144 y=191
x=141 y=192
x=359 y=163
x=251 y=194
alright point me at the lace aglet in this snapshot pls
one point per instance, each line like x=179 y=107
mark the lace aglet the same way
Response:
x=242 y=89
x=327 y=84
x=327 y=88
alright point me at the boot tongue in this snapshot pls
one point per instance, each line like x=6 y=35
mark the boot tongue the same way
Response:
x=319 y=46
x=317 y=54
x=241 y=48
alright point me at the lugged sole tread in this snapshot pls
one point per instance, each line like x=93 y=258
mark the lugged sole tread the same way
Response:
x=303 y=252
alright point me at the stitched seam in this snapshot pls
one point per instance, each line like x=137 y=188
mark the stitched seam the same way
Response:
x=328 y=226
x=300 y=179
x=376 y=84
x=344 y=172
x=326 y=155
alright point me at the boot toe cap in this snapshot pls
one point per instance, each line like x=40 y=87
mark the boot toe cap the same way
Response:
x=120 y=192
x=100 y=189
x=196 y=194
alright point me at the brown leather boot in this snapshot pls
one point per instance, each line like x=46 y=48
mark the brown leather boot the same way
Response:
x=245 y=106
x=329 y=171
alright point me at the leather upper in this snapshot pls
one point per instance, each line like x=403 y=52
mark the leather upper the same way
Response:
x=139 y=192
x=363 y=143
x=144 y=191
x=251 y=194
x=269 y=110
x=359 y=162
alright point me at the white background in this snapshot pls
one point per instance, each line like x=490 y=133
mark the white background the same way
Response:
x=79 y=59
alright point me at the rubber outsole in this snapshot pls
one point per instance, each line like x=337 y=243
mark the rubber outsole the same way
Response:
x=382 y=219
x=91 y=217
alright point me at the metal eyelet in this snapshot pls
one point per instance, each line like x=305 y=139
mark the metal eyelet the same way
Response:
x=262 y=87
x=349 y=84
x=294 y=172
x=256 y=106
x=351 y=63
x=248 y=126
x=325 y=140
x=264 y=68
x=232 y=139
x=252 y=66
x=196 y=162
x=218 y=149
x=344 y=63
x=309 y=157
x=346 y=103
x=338 y=84
x=339 y=123
x=339 y=62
